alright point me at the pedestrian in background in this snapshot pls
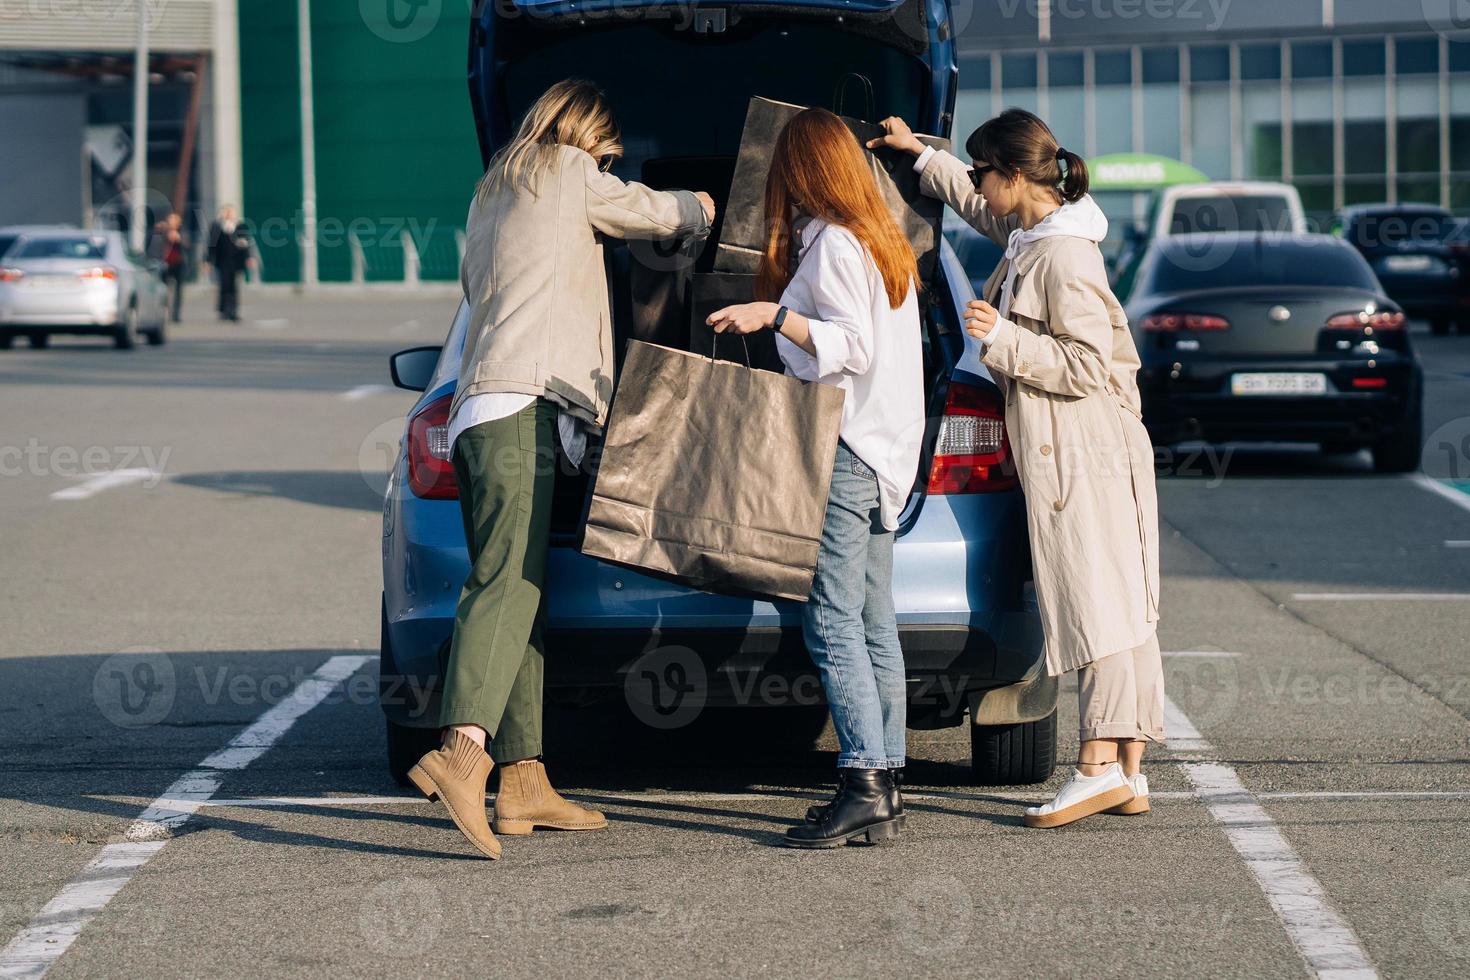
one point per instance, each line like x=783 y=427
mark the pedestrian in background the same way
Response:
x=1057 y=341
x=170 y=248
x=228 y=255
x=848 y=317
x=537 y=369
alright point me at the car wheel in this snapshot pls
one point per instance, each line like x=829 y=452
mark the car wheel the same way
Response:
x=1014 y=755
x=126 y=336
x=156 y=336
x=1439 y=327
x=39 y=340
x=407 y=746
x=7 y=340
x=1399 y=451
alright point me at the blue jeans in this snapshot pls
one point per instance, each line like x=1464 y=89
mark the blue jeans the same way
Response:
x=850 y=626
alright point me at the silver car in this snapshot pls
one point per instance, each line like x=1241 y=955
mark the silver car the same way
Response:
x=80 y=282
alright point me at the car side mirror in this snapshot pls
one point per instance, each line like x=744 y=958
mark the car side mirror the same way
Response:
x=414 y=368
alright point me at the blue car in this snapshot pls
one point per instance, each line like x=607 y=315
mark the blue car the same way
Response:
x=966 y=611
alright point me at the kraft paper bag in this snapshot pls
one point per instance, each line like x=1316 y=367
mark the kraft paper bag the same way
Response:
x=714 y=474
x=743 y=235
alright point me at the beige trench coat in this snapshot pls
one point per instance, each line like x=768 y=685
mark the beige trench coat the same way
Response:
x=1067 y=365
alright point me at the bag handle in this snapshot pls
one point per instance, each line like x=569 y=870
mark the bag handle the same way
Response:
x=841 y=90
x=714 y=343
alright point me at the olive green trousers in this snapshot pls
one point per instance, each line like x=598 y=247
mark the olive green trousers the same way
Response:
x=505 y=469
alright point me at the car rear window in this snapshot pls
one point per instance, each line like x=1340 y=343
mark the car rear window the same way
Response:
x=62 y=248
x=1230 y=212
x=1399 y=228
x=1216 y=263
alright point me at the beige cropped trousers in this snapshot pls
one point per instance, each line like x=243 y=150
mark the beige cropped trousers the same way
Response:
x=1122 y=695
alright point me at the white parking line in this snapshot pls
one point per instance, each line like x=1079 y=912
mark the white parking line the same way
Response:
x=1441 y=489
x=1380 y=596
x=41 y=943
x=1320 y=934
x=1227 y=654
x=105 y=481
x=1457 y=544
x=365 y=391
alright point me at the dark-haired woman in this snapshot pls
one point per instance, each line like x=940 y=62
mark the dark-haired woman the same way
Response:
x=1057 y=342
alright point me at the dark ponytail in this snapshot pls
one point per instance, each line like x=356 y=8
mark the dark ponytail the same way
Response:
x=1018 y=142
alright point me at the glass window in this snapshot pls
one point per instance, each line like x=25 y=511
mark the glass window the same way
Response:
x=1160 y=65
x=1261 y=109
x=1064 y=69
x=1260 y=62
x=1018 y=71
x=1113 y=68
x=1209 y=63
x=1416 y=55
x=1365 y=146
x=1067 y=117
x=1161 y=120
x=1311 y=59
x=1270 y=264
x=1113 y=112
x=1459 y=56
x=1363 y=58
x=1209 y=141
x=975 y=72
x=91 y=247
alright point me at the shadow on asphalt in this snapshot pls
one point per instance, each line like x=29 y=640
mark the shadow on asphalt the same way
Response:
x=347 y=489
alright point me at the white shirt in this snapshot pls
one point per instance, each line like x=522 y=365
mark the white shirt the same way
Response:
x=489 y=406
x=866 y=348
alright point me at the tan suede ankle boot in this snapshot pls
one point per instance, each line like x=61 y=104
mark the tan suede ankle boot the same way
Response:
x=455 y=774
x=527 y=801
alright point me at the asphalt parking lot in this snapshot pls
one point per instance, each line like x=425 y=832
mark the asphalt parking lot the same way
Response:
x=191 y=774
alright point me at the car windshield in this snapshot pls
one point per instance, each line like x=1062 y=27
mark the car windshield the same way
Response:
x=5 y=242
x=1230 y=212
x=1219 y=263
x=1400 y=228
x=62 y=248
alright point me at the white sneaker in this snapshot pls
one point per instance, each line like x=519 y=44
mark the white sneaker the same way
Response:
x=1139 y=803
x=1082 y=796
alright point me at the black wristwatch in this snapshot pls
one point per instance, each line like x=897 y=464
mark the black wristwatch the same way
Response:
x=780 y=318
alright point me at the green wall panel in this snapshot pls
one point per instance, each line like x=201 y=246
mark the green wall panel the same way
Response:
x=270 y=124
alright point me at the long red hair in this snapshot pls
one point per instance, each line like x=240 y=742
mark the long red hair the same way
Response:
x=818 y=163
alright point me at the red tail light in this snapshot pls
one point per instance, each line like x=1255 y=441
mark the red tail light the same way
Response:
x=98 y=272
x=1170 y=322
x=972 y=453
x=430 y=473
x=1382 y=320
x=1370 y=382
x=11 y=275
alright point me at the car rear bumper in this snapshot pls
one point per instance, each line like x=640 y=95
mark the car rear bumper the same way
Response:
x=1199 y=404
x=964 y=622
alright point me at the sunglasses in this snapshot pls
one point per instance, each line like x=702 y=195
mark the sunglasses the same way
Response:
x=605 y=164
x=977 y=174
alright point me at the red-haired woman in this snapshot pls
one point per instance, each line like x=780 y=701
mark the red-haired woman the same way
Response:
x=848 y=316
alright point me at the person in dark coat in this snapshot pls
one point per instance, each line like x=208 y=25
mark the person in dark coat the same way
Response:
x=229 y=254
x=170 y=247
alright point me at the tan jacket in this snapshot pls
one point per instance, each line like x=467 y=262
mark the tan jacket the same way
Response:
x=1067 y=364
x=533 y=272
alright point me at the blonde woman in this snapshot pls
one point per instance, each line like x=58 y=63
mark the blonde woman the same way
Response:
x=1057 y=341
x=537 y=366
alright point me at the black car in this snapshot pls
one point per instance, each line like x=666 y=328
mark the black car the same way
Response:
x=1412 y=249
x=1265 y=336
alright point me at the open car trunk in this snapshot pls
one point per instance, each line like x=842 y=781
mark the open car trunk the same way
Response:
x=680 y=80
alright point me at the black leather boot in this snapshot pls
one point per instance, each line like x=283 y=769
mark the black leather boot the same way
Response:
x=864 y=807
x=817 y=811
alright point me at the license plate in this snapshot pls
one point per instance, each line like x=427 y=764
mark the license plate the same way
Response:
x=49 y=282
x=1278 y=383
x=1407 y=263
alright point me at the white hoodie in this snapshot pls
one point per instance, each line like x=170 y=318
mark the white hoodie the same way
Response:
x=1081 y=218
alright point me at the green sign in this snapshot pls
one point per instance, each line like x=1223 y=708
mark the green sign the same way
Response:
x=1139 y=172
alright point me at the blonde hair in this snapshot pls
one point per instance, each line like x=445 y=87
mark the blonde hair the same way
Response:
x=571 y=112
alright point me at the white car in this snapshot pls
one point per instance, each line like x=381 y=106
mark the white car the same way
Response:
x=1219 y=206
x=79 y=282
